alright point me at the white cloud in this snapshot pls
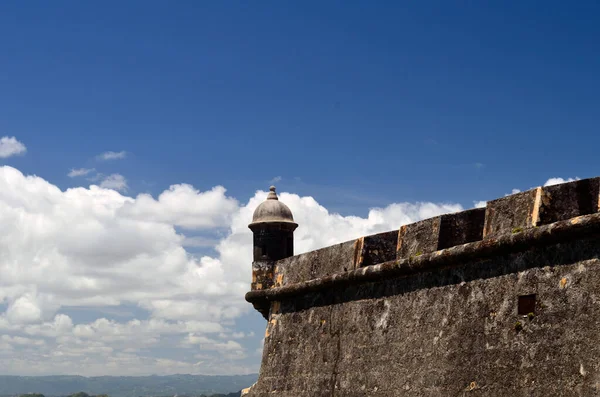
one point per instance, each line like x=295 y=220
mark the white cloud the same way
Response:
x=479 y=204
x=557 y=181
x=23 y=310
x=115 y=182
x=75 y=172
x=276 y=180
x=184 y=206
x=10 y=146
x=61 y=325
x=23 y=341
x=112 y=155
x=95 y=247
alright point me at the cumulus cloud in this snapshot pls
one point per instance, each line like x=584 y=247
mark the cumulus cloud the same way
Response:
x=25 y=309
x=112 y=155
x=95 y=247
x=10 y=146
x=114 y=181
x=75 y=172
x=184 y=206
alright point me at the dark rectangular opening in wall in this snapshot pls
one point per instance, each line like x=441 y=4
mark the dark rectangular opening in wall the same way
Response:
x=526 y=304
x=461 y=228
x=587 y=197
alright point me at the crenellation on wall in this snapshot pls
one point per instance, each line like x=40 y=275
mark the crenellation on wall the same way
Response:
x=338 y=258
x=512 y=213
x=440 y=232
x=583 y=227
x=378 y=248
x=418 y=238
x=316 y=264
x=504 y=216
x=461 y=228
x=569 y=200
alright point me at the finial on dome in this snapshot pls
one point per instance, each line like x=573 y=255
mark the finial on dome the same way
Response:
x=273 y=211
x=272 y=195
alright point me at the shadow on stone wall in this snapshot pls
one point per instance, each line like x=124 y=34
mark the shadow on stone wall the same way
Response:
x=556 y=255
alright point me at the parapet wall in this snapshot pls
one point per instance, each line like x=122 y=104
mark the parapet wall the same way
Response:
x=505 y=216
x=497 y=301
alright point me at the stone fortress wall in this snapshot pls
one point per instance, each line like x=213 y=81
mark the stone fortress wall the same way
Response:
x=495 y=301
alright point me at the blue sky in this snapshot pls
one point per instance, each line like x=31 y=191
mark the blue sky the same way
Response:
x=398 y=101
x=355 y=104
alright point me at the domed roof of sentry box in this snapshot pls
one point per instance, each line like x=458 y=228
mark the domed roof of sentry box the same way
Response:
x=272 y=211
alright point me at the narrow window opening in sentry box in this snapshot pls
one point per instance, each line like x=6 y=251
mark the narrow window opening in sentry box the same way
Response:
x=526 y=304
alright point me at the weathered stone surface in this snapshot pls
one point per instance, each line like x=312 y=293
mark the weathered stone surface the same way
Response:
x=461 y=228
x=262 y=275
x=512 y=213
x=262 y=278
x=418 y=238
x=569 y=200
x=449 y=332
x=379 y=248
x=326 y=261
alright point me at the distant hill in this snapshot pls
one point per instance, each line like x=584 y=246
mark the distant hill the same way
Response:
x=125 y=386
